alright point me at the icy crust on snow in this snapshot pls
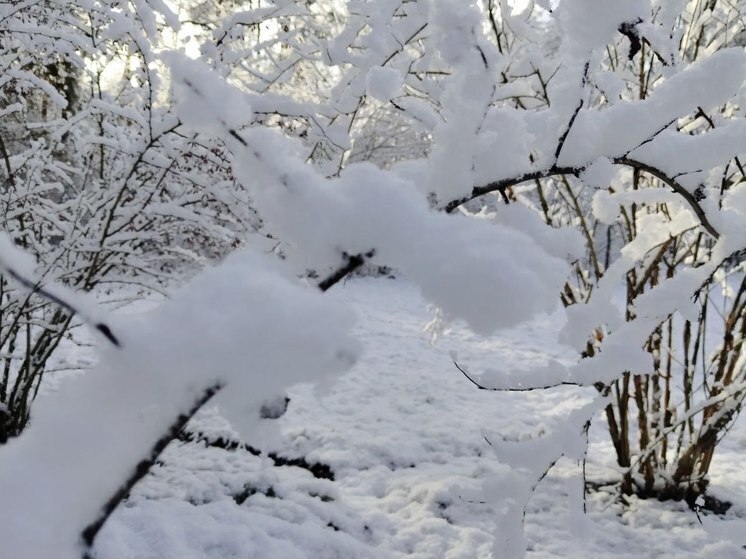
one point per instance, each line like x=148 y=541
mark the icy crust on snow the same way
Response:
x=245 y=323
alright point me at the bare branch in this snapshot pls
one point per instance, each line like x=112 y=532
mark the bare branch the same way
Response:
x=677 y=187
x=504 y=184
x=512 y=389
x=581 y=102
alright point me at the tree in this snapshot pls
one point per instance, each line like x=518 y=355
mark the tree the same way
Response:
x=457 y=69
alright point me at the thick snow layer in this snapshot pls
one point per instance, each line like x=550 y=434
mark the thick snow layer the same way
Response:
x=383 y=83
x=243 y=324
x=369 y=211
x=406 y=437
x=591 y=24
x=704 y=83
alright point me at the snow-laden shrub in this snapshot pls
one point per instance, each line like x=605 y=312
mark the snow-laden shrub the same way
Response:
x=508 y=103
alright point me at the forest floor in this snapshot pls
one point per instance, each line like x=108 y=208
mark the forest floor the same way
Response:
x=393 y=460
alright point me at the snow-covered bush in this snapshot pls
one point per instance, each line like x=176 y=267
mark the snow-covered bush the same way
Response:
x=101 y=183
x=509 y=102
x=663 y=450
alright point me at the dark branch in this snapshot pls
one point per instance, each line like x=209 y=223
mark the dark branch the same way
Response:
x=629 y=30
x=35 y=287
x=352 y=263
x=89 y=534
x=4 y=152
x=520 y=389
x=484 y=57
x=504 y=184
x=581 y=102
x=677 y=187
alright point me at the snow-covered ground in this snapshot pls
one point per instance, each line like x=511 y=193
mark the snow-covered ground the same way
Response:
x=406 y=440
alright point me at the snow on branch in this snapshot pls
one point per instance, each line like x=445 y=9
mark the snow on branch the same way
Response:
x=143 y=467
x=96 y=437
x=617 y=130
x=367 y=209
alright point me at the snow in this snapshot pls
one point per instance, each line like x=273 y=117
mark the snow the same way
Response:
x=502 y=145
x=605 y=208
x=404 y=434
x=194 y=82
x=268 y=330
x=598 y=174
x=591 y=24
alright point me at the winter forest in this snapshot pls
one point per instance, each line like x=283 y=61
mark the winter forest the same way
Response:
x=372 y=279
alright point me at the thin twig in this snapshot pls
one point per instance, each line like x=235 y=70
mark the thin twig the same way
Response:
x=513 y=389
x=581 y=102
x=703 y=114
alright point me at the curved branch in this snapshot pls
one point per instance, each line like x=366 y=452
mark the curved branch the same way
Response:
x=677 y=187
x=37 y=288
x=554 y=170
x=504 y=184
x=519 y=389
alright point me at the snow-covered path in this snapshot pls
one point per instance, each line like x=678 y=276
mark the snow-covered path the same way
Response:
x=406 y=437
